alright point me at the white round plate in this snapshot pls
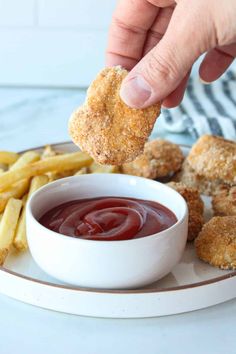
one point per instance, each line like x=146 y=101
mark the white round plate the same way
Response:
x=191 y=285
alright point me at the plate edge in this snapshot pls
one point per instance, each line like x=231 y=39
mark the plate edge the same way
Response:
x=107 y=291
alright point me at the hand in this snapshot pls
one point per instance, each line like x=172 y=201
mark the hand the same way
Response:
x=159 y=41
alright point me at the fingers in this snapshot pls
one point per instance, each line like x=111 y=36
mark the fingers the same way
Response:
x=162 y=3
x=216 y=62
x=161 y=71
x=127 y=35
x=158 y=29
x=175 y=97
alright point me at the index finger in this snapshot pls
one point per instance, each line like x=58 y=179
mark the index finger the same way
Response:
x=130 y=24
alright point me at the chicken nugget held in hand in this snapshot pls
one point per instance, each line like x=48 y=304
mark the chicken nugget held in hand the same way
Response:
x=105 y=127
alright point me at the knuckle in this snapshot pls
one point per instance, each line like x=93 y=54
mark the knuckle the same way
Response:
x=162 y=3
x=155 y=34
x=165 y=68
x=121 y=25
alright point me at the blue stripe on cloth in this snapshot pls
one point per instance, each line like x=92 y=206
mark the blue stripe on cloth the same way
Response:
x=193 y=96
x=219 y=107
x=225 y=83
x=214 y=126
x=190 y=126
x=206 y=109
x=167 y=115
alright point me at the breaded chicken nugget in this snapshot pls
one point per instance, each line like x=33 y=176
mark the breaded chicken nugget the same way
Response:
x=216 y=243
x=224 y=201
x=191 y=179
x=195 y=208
x=160 y=158
x=214 y=158
x=110 y=131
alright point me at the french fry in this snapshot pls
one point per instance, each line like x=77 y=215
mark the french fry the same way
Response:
x=3 y=167
x=48 y=152
x=8 y=157
x=24 y=199
x=82 y=171
x=96 y=168
x=36 y=183
x=8 y=226
x=16 y=191
x=53 y=176
x=56 y=163
x=1 y=171
x=25 y=159
x=20 y=240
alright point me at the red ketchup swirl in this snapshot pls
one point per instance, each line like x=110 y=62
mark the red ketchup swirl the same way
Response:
x=108 y=218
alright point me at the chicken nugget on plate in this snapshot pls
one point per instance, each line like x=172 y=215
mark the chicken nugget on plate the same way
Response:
x=214 y=158
x=160 y=158
x=195 y=208
x=190 y=178
x=224 y=201
x=216 y=243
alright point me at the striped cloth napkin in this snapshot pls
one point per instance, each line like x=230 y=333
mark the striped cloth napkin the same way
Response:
x=206 y=109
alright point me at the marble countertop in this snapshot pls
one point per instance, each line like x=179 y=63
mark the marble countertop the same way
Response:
x=33 y=117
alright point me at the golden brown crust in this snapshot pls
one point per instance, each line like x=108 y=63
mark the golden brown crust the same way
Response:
x=224 y=201
x=190 y=178
x=195 y=224
x=214 y=158
x=195 y=208
x=160 y=158
x=110 y=131
x=3 y=255
x=216 y=243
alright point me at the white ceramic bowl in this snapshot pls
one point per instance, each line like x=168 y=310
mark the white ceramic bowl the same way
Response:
x=106 y=264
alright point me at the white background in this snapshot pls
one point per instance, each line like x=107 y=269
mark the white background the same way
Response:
x=52 y=42
x=61 y=42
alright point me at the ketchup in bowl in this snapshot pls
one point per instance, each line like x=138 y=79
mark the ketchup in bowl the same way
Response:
x=108 y=218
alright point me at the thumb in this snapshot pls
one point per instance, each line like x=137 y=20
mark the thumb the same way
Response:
x=165 y=66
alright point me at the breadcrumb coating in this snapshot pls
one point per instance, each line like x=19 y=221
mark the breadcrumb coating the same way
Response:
x=190 y=178
x=195 y=208
x=160 y=158
x=214 y=158
x=224 y=201
x=110 y=131
x=216 y=243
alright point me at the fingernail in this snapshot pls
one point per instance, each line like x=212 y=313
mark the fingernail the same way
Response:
x=203 y=81
x=135 y=92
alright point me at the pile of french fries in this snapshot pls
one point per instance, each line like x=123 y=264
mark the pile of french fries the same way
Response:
x=21 y=175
